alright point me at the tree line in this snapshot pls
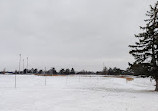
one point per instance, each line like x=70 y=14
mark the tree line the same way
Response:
x=67 y=71
x=51 y=71
x=116 y=71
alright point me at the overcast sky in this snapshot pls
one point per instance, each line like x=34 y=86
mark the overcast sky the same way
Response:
x=82 y=34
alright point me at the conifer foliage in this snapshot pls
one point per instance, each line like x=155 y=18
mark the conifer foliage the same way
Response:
x=145 y=50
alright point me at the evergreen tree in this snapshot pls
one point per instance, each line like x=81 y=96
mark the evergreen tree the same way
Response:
x=72 y=71
x=52 y=71
x=62 y=71
x=35 y=71
x=145 y=51
x=40 y=72
x=67 y=71
x=110 y=71
x=105 y=71
x=117 y=71
x=25 y=71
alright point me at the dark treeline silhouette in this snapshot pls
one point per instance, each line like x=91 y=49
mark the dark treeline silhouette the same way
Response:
x=62 y=71
x=85 y=72
x=116 y=71
x=51 y=71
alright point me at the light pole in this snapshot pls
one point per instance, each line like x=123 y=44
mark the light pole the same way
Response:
x=19 y=62
x=27 y=65
x=19 y=68
x=45 y=77
x=23 y=65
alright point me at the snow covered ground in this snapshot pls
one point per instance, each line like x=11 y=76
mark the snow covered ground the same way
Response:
x=76 y=93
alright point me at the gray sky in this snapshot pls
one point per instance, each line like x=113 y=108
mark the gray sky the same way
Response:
x=82 y=34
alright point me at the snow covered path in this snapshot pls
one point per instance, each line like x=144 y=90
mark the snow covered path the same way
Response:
x=76 y=93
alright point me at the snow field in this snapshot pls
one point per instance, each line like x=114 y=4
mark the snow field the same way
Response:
x=76 y=93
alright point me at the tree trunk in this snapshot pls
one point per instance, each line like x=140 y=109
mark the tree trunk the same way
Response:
x=156 y=89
